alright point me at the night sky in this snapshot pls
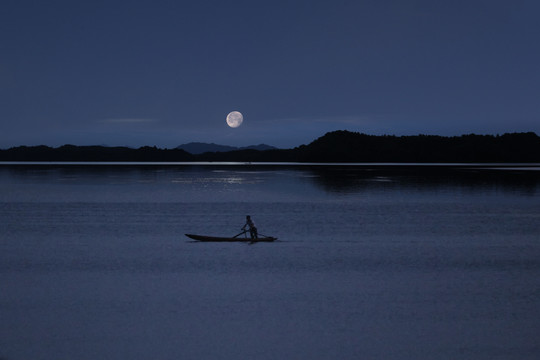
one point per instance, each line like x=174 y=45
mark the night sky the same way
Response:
x=165 y=73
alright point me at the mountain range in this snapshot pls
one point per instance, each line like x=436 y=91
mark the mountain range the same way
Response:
x=334 y=147
x=196 y=148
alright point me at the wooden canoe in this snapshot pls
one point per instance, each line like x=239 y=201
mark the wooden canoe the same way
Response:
x=230 y=239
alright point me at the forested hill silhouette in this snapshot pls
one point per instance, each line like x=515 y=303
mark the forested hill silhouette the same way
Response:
x=336 y=146
x=92 y=153
x=345 y=146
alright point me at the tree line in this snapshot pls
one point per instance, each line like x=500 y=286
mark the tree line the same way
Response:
x=337 y=146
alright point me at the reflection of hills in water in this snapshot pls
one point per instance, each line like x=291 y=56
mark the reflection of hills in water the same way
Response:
x=360 y=178
x=328 y=178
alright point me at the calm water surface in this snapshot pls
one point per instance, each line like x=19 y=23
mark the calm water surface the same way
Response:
x=373 y=262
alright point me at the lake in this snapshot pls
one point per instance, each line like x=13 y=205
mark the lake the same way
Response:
x=373 y=261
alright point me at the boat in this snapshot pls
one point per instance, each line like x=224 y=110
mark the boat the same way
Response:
x=260 y=238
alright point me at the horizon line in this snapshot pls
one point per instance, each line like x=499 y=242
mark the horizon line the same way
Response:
x=275 y=147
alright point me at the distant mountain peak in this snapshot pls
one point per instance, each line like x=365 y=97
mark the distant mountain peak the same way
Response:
x=201 y=148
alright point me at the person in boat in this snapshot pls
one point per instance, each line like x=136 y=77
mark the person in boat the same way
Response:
x=250 y=225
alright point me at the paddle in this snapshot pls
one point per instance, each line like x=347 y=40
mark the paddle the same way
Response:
x=243 y=232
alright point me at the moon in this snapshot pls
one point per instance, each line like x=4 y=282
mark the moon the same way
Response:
x=235 y=119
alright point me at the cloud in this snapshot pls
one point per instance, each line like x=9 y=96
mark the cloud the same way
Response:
x=340 y=120
x=348 y=120
x=128 y=120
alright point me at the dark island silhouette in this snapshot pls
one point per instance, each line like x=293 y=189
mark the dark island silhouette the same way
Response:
x=333 y=147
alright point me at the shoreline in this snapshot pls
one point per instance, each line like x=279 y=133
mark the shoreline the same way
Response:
x=494 y=166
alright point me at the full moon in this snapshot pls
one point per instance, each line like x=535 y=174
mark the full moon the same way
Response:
x=234 y=119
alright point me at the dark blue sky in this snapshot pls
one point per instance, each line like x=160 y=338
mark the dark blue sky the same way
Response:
x=168 y=72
